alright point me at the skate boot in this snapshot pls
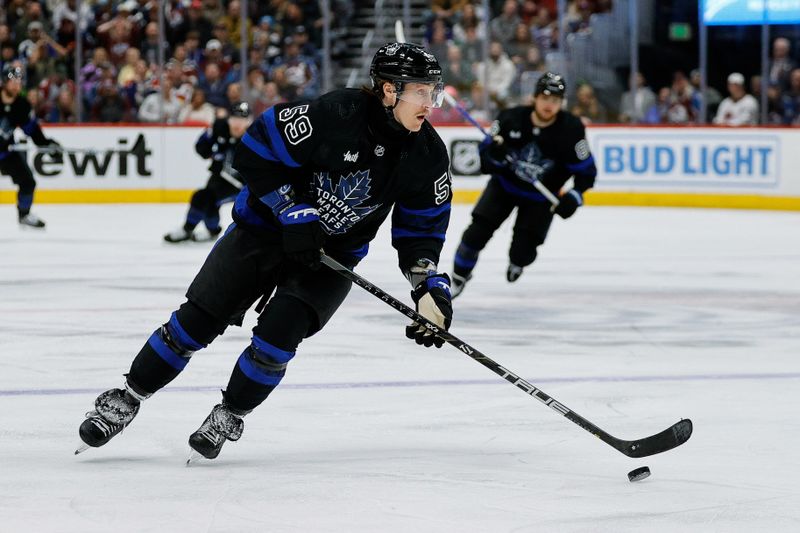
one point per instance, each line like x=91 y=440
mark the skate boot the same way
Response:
x=32 y=221
x=113 y=411
x=179 y=235
x=224 y=423
x=207 y=237
x=458 y=284
x=513 y=273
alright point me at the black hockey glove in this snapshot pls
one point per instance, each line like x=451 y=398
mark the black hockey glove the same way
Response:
x=569 y=203
x=432 y=296
x=302 y=234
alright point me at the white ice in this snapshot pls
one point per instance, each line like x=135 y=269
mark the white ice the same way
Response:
x=633 y=317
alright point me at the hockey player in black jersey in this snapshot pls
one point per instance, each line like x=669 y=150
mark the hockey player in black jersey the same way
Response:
x=16 y=112
x=319 y=174
x=217 y=143
x=528 y=143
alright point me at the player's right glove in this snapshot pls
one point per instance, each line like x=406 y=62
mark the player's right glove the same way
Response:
x=569 y=203
x=301 y=231
x=432 y=296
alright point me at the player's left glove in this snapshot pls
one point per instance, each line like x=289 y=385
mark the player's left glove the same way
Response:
x=569 y=203
x=432 y=296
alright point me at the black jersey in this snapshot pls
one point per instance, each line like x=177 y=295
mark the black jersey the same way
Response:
x=18 y=114
x=342 y=154
x=551 y=154
x=217 y=143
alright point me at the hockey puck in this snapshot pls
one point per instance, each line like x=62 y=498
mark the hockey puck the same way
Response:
x=638 y=474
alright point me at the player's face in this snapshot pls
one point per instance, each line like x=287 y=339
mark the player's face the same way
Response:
x=12 y=86
x=239 y=125
x=414 y=104
x=546 y=106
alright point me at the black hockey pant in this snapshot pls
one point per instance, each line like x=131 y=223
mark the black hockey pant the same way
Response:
x=15 y=166
x=494 y=206
x=205 y=203
x=240 y=269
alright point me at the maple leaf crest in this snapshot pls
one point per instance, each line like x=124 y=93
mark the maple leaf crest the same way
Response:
x=340 y=202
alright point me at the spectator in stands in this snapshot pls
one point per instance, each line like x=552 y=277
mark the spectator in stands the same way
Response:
x=502 y=27
x=302 y=38
x=68 y=10
x=227 y=53
x=712 y=96
x=5 y=35
x=657 y=113
x=439 y=38
x=109 y=105
x=214 y=87
x=740 y=108
x=781 y=64
x=40 y=42
x=501 y=74
x=517 y=48
x=234 y=93
x=447 y=9
x=214 y=9
x=457 y=72
x=197 y=109
x=301 y=72
x=33 y=13
x=472 y=45
x=195 y=21
x=291 y=18
x=8 y=53
x=51 y=87
x=65 y=33
x=790 y=101
x=533 y=61
x=545 y=31
x=682 y=109
x=775 y=111
x=64 y=109
x=149 y=46
x=468 y=16
x=634 y=105
x=194 y=52
x=162 y=106
x=587 y=106
x=233 y=24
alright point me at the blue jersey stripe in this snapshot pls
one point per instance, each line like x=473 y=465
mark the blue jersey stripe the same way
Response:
x=431 y=212
x=275 y=138
x=257 y=147
x=583 y=165
x=398 y=233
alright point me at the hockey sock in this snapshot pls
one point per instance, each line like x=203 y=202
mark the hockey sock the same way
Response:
x=193 y=218
x=258 y=371
x=465 y=260
x=165 y=354
x=24 y=202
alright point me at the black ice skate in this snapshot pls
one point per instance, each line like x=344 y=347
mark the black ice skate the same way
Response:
x=207 y=237
x=179 y=235
x=513 y=273
x=224 y=423
x=113 y=411
x=458 y=283
x=31 y=221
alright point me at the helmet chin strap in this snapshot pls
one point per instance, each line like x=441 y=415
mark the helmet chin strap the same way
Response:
x=393 y=122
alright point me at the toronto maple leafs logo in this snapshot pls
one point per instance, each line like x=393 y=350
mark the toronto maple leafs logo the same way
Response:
x=340 y=202
x=529 y=163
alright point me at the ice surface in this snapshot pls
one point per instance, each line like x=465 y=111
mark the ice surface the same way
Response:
x=633 y=317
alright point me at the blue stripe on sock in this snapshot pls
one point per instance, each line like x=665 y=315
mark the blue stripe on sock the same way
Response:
x=24 y=201
x=255 y=373
x=183 y=338
x=273 y=352
x=171 y=358
x=194 y=216
x=463 y=262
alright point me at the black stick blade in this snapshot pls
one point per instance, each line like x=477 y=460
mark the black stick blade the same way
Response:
x=668 y=439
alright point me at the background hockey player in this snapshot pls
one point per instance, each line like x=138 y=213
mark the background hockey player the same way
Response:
x=217 y=143
x=16 y=112
x=324 y=173
x=540 y=142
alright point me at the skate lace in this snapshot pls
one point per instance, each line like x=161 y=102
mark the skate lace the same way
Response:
x=101 y=423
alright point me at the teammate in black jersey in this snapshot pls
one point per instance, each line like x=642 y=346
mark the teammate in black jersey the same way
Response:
x=529 y=143
x=319 y=174
x=16 y=112
x=217 y=143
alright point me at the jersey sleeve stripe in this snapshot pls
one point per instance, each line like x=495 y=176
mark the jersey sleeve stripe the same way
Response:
x=29 y=126
x=583 y=165
x=275 y=138
x=258 y=148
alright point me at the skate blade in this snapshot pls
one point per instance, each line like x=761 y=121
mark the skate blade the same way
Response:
x=82 y=448
x=194 y=457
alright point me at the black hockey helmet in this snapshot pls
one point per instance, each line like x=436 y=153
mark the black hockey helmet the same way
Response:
x=12 y=72
x=551 y=83
x=401 y=63
x=240 y=109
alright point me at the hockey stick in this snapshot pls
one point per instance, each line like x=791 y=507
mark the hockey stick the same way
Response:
x=668 y=439
x=50 y=149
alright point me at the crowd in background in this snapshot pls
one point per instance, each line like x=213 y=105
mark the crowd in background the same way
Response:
x=121 y=79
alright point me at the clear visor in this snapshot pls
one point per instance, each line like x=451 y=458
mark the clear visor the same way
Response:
x=423 y=94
